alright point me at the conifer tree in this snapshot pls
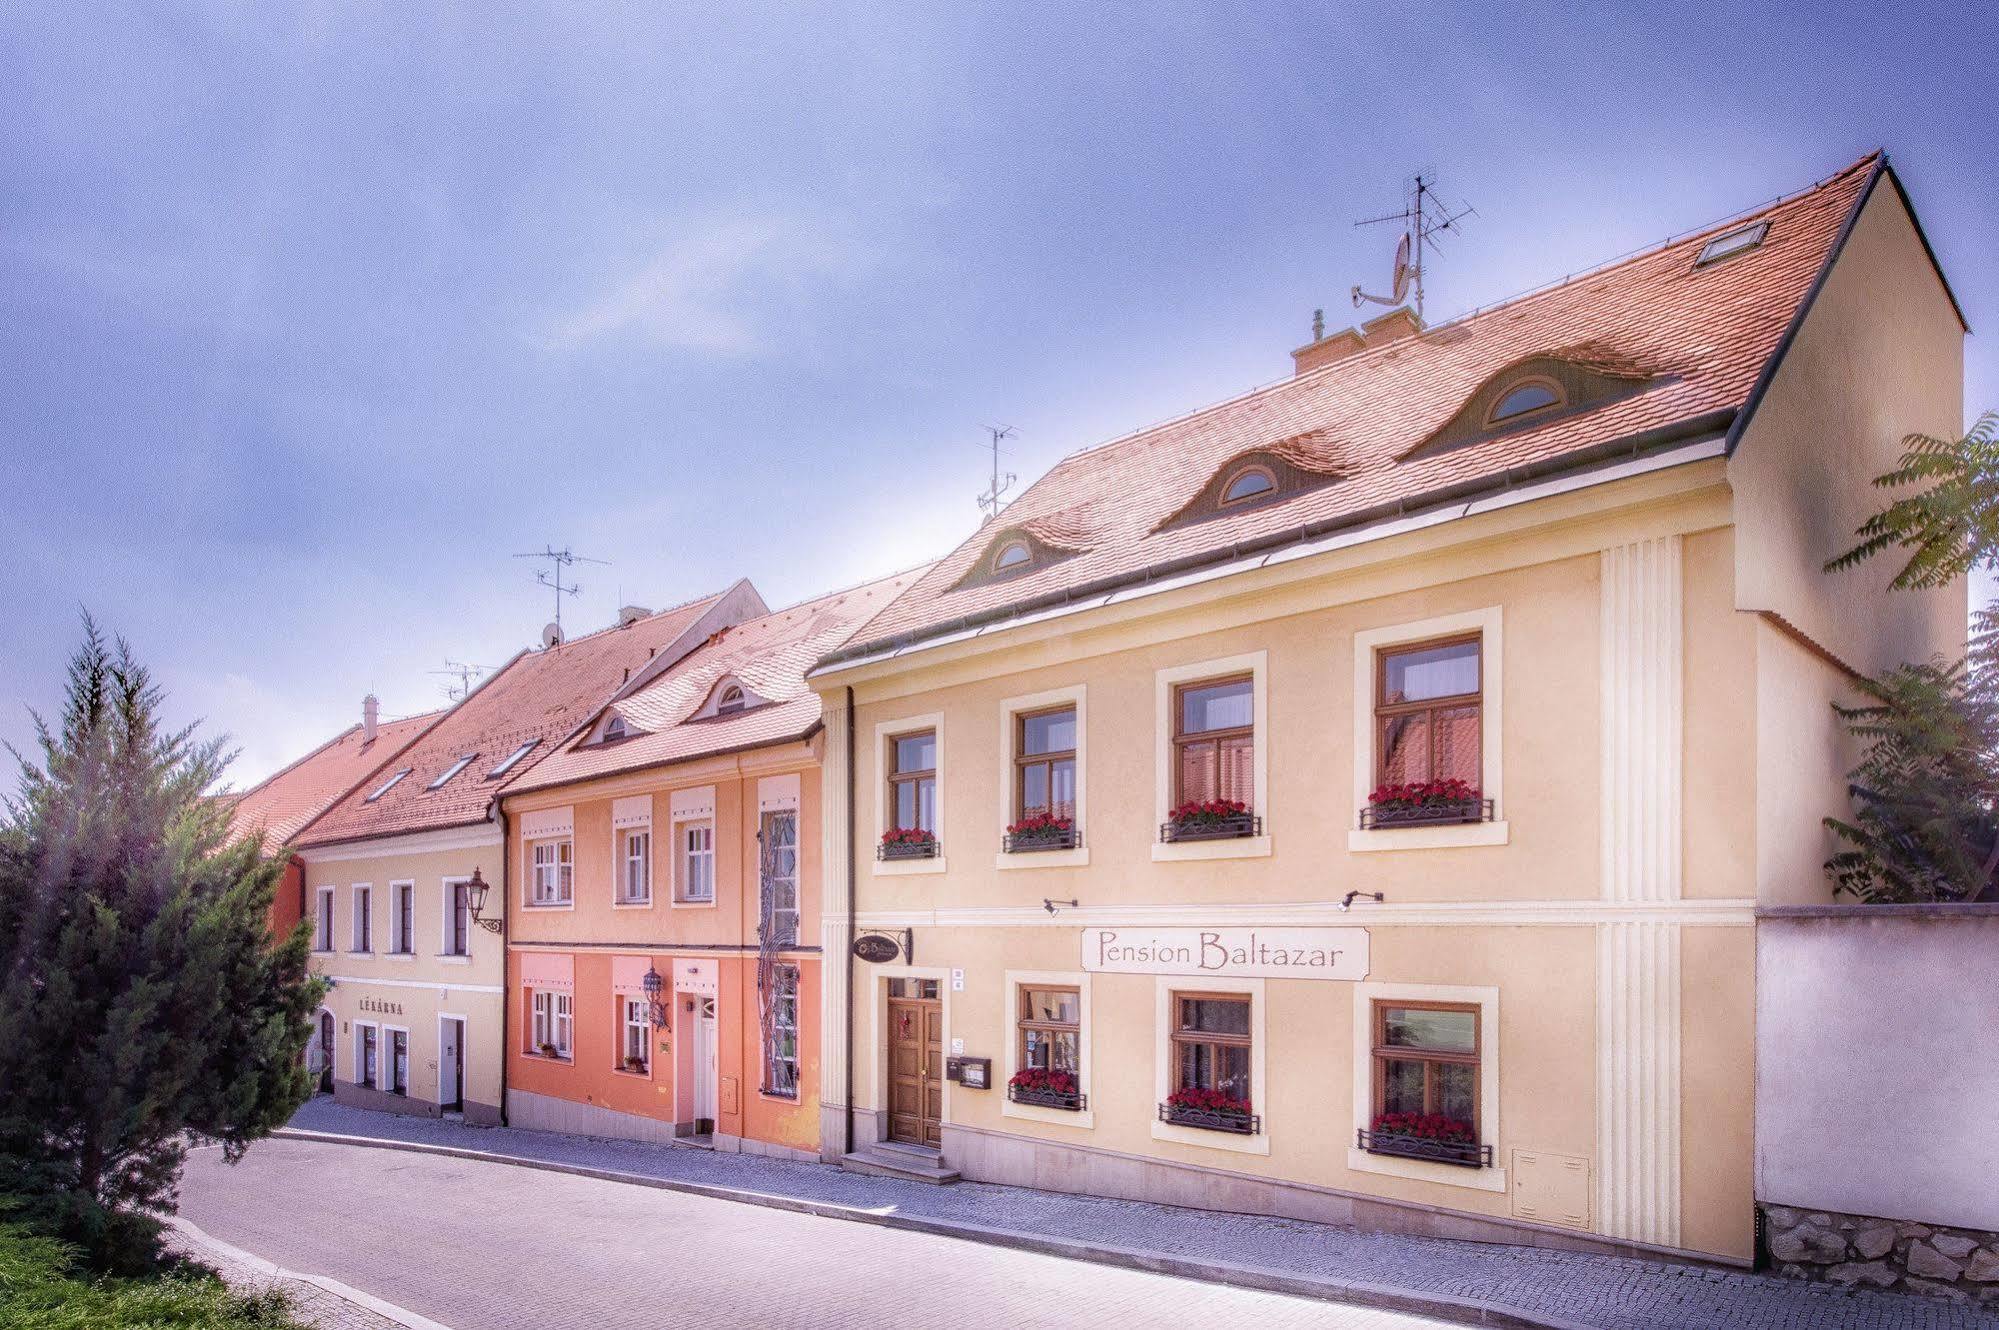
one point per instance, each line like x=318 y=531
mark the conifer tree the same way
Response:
x=144 y=1005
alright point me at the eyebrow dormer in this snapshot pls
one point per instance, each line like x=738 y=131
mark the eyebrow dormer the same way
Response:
x=1013 y=552
x=730 y=696
x=1533 y=391
x=1269 y=474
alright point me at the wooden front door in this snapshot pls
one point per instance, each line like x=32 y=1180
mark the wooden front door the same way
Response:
x=915 y=1070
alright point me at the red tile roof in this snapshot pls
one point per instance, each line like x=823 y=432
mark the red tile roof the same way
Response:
x=541 y=695
x=767 y=656
x=302 y=791
x=1702 y=336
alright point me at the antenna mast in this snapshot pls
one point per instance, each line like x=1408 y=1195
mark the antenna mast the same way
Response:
x=464 y=672
x=551 y=577
x=1421 y=220
x=992 y=500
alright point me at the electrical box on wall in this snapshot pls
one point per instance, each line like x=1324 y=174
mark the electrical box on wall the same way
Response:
x=972 y=1073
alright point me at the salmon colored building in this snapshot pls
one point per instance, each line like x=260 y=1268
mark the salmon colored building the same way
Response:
x=282 y=804
x=664 y=967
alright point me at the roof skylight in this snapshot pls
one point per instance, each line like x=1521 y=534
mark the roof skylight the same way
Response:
x=1731 y=243
x=507 y=763
x=389 y=784
x=451 y=771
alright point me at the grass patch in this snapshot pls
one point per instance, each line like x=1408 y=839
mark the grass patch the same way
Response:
x=42 y=1287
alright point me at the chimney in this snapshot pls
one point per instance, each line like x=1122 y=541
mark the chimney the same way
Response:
x=371 y=711
x=1395 y=326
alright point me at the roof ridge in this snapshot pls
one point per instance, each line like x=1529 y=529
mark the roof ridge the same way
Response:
x=1477 y=311
x=851 y=587
x=651 y=614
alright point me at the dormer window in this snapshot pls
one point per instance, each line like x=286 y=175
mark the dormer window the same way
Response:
x=732 y=700
x=1525 y=399
x=1013 y=554
x=1248 y=484
x=614 y=728
x=730 y=696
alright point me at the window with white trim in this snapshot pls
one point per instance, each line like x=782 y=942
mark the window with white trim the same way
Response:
x=697 y=862
x=553 y=872
x=635 y=866
x=363 y=938
x=402 y=918
x=549 y=1023
x=458 y=937
x=636 y=1028
x=322 y=932
x=781 y=1033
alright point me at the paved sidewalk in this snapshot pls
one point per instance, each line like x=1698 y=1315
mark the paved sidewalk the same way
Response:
x=312 y=1302
x=1478 y=1282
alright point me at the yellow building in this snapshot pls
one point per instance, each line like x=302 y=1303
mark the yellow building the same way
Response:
x=1352 y=801
x=407 y=882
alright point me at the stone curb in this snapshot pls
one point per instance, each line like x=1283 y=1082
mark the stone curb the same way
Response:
x=388 y=1311
x=1463 y=1311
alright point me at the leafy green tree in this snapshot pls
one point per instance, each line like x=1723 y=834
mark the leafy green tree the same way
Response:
x=1925 y=823
x=143 y=1003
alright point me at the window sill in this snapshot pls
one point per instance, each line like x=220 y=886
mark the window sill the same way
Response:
x=645 y=904
x=775 y=1098
x=1233 y=847
x=1076 y=858
x=360 y=951
x=543 y=1057
x=908 y=867
x=1428 y=838
x=1258 y=1144
x=707 y=904
x=548 y=905
x=324 y=951
x=452 y=958
x=1423 y=1170
x=1083 y=1118
x=398 y=955
x=631 y=1075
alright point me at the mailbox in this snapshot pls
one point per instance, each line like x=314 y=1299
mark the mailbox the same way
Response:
x=972 y=1073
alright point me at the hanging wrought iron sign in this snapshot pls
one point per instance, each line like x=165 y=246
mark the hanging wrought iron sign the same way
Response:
x=880 y=948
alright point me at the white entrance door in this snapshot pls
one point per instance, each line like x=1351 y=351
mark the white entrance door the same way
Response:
x=704 y=1062
x=450 y=1058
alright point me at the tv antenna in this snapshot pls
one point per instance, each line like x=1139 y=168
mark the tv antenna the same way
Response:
x=552 y=576
x=993 y=499
x=465 y=673
x=1421 y=220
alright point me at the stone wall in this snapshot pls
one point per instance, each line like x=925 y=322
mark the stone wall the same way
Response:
x=1959 y=1264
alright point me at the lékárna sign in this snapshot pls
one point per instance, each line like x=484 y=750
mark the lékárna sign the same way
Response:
x=1242 y=953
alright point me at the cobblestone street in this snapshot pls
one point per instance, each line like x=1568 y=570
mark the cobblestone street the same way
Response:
x=480 y=1246
x=1561 y=1288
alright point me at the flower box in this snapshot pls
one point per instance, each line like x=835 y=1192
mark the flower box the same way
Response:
x=1430 y=1136
x=907 y=843
x=1041 y=833
x=1424 y=804
x=1210 y=1110
x=1214 y=819
x=1046 y=1089
x=636 y=1066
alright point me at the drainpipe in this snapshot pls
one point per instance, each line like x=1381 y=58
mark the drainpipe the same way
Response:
x=850 y=919
x=506 y=928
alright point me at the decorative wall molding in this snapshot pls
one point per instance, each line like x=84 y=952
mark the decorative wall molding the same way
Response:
x=1589 y=913
x=1638 y=958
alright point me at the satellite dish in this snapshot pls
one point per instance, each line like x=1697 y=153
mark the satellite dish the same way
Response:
x=1402 y=271
x=551 y=636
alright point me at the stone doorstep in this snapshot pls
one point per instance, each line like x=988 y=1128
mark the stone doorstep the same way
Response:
x=1322 y=1288
x=893 y=1161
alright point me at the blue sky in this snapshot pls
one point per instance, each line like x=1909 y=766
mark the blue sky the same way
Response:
x=310 y=317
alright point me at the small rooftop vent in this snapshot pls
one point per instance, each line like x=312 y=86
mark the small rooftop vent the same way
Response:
x=631 y=614
x=1730 y=243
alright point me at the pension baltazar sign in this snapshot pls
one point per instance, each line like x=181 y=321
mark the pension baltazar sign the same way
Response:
x=1237 y=953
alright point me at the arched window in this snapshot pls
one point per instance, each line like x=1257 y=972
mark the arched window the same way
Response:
x=731 y=701
x=1525 y=399
x=1013 y=554
x=614 y=728
x=1252 y=482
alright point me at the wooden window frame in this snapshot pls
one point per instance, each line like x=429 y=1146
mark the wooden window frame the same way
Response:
x=1386 y=711
x=1022 y=759
x=362 y=920
x=1178 y=1036
x=1182 y=740
x=402 y=923
x=1382 y=1052
x=323 y=920
x=457 y=918
x=1270 y=491
x=897 y=777
x=1025 y=1021
x=1494 y=420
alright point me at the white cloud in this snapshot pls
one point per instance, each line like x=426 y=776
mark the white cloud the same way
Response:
x=713 y=286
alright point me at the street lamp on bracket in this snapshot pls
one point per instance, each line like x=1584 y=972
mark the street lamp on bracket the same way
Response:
x=475 y=899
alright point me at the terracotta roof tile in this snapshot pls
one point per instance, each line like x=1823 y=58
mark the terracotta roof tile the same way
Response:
x=768 y=656
x=302 y=791
x=1700 y=337
x=540 y=695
